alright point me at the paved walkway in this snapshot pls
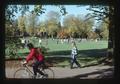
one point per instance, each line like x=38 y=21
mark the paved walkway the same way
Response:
x=81 y=73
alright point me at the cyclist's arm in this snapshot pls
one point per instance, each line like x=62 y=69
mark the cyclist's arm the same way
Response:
x=31 y=54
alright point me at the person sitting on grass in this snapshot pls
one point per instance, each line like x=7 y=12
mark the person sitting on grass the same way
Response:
x=37 y=58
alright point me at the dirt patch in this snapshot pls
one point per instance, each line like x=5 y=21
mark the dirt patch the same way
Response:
x=17 y=63
x=13 y=63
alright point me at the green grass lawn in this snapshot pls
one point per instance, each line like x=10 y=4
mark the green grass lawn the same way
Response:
x=65 y=48
x=89 y=51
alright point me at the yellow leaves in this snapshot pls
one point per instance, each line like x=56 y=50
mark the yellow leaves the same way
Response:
x=43 y=29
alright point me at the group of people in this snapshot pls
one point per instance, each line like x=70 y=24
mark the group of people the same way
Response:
x=39 y=59
x=24 y=42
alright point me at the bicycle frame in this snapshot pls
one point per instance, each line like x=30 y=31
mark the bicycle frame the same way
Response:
x=45 y=69
x=41 y=68
x=27 y=68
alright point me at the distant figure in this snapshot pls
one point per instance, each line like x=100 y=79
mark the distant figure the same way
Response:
x=46 y=42
x=96 y=40
x=74 y=55
x=57 y=40
x=62 y=41
x=23 y=41
x=40 y=42
x=27 y=42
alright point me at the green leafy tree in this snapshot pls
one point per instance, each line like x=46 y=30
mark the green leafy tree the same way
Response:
x=103 y=12
x=10 y=11
x=88 y=25
x=31 y=23
x=42 y=29
x=103 y=28
x=21 y=24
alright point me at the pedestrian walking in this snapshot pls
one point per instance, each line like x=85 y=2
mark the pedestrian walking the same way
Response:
x=74 y=55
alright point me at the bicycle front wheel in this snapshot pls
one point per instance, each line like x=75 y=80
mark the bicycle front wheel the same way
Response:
x=49 y=72
x=22 y=73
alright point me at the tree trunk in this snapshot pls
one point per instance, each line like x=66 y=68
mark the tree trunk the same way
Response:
x=111 y=43
x=111 y=34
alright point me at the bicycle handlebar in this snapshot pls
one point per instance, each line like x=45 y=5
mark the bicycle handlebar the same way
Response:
x=24 y=63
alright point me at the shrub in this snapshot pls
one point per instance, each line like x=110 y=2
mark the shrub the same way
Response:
x=12 y=44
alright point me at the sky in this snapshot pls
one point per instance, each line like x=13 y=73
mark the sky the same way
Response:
x=71 y=9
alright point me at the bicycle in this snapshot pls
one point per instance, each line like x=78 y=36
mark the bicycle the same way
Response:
x=25 y=72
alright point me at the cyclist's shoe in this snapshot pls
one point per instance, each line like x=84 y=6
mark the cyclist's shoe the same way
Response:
x=71 y=67
x=45 y=76
x=39 y=76
x=79 y=66
x=34 y=76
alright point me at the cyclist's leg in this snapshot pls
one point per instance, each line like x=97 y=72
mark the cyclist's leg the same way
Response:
x=44 y=65
x=35 y=68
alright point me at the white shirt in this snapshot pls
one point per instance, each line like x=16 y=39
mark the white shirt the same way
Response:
x=74 y=52
x=23 y=41
x=40 y=40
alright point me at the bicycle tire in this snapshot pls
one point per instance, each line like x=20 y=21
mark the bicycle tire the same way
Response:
x=22 y=73
x=49 y=72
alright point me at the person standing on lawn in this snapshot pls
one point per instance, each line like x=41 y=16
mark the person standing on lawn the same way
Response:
x=40 y=41
x=23 y=42
x=74 y=55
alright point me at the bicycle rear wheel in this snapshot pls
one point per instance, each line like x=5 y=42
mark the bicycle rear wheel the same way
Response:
x=49 y=72
x=22 y=73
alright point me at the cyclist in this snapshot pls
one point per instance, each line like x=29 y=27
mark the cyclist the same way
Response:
x=37 y=58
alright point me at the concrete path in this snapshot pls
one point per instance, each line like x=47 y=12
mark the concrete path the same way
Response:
x=91 y=72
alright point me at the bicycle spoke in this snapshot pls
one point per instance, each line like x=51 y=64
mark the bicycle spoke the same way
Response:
x=48 y=73
x=22 y=73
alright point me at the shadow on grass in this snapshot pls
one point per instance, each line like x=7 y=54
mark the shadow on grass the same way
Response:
x=64 y=56
x=91 y=52
x=99 y=74
x=83 y=55
x=57 y=60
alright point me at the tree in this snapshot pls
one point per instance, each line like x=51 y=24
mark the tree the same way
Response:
x=98 y=31
x=88 y=25
x=31 y=23
x=42 y=29
x=10 y=14
x=92 y=35
x=9 y=29
x=69 y=22
x=52 y=23
x=78 y=26
x=63 y=33
x=21 y=24
x=103 y=12
x=12 y=9
x=103 y=28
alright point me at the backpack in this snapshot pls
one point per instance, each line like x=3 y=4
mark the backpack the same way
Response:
x=38 y=50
